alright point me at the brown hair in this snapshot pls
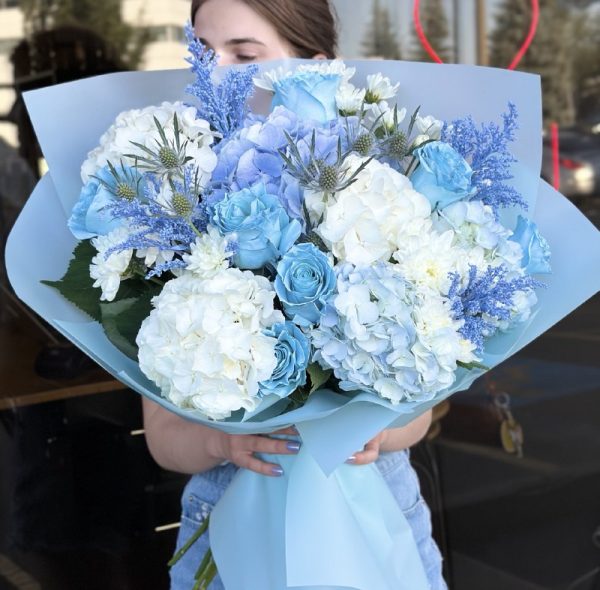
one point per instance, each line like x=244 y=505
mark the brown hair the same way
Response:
x=309 y=26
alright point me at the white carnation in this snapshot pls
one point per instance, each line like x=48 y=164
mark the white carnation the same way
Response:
x=108 y=270
x=203 y=344
x=138 y=126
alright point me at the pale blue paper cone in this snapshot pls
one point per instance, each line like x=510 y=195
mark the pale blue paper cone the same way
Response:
x=271 y=531
x=69 y=120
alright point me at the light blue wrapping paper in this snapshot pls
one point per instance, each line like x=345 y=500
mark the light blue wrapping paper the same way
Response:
x=69 y=120
x=365 y=544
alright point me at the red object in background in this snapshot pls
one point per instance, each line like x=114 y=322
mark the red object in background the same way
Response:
x=535 y=17
x=421 y=34
x=556 y=162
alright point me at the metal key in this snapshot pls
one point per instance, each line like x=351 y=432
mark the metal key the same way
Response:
x=511 y=432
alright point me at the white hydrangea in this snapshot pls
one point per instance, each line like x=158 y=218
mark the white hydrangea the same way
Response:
x=209 y=254
x=362 y=223
x=203 y=344
x=138 y=126
x=108 y=271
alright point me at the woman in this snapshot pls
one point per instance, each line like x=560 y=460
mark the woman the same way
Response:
x=245 y=31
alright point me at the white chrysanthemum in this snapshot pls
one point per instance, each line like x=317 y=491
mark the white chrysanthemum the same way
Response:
x=362 y=223
x=209 y=254
x=439 y=337
x=153 y=255
x=429 y=126
x=428 y=260
x=522 y=304
x=382 y=115
x=267 y=80
x=203 y=344
x=380 y=88
x=107 y=271
x=479 y=233
x=418 y=140
x=349 y=99
x=138 y=126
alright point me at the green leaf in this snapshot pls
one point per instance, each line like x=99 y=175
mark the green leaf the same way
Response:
x=318 y=376
x=122 y=319
x=473 y=365
x=77 y=285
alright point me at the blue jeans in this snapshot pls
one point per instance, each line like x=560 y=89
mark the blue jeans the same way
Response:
x=204 y=490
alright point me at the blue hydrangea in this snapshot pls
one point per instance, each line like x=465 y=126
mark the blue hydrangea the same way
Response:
x=252 y=155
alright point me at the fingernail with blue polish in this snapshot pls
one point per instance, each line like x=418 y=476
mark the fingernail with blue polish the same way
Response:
x=351 y=459
x=276 y=470
x=293 y=446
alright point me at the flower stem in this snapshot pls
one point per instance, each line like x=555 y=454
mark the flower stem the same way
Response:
x=184 y=549
x=206 y=572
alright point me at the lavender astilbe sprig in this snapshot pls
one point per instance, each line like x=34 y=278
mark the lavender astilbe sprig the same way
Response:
x=487 y=150
x=223 y=105
x=486 y=301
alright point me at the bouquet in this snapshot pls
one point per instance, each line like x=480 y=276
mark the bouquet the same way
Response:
x=319 y=244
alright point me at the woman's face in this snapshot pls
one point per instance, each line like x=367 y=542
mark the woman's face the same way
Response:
x=237 y=34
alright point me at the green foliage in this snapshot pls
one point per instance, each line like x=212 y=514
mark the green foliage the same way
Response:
x=318 y=376
x=121 y=318
x=435 y=25
x=380 y=39
x=77 y=285
x=550 y=54
x=103 y=18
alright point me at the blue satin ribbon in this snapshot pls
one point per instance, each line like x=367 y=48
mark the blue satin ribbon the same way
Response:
x=308 y=531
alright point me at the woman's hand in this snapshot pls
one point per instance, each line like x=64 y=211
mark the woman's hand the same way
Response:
x=393 y=439
x=370 y=452
x=240 y=449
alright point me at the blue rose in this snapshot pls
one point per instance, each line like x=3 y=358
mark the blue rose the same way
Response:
x=263 y=230
x=305 y=280
x=91 y=216
x=536 y=250
x=293 y=353
x=311 y=95
x=443 y=176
